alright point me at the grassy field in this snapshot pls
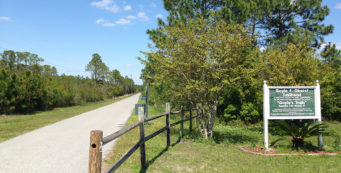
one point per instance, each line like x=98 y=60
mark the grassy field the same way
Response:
x=220 y=154
x=14 y=125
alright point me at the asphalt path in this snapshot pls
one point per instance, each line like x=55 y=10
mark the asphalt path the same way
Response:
x=64 y=146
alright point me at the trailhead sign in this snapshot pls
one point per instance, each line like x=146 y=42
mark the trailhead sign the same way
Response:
x=292 y=102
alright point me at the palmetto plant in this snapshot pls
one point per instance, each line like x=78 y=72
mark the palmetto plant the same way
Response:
x=299 y=130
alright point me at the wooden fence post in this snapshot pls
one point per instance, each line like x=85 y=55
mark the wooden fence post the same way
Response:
x=182 y=123
x=95 y=153
x=168 y=123
x=197 y=118
x=142 y=146
x=190 y=120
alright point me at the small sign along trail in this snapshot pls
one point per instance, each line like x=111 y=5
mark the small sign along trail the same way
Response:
x=290 y=102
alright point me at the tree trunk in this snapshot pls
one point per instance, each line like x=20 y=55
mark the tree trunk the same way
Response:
x=206 y=120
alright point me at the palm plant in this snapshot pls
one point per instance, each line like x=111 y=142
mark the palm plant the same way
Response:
x=299 y=130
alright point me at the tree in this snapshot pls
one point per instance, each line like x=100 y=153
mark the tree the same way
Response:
x=97 y=68
x=196 y=62
x=115 y=77
x=332 y=56
x=331 y=83
x=27 y=86
x=9 y=59
x=274 y=21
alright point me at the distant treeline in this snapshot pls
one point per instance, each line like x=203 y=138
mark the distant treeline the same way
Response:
x=27 y=86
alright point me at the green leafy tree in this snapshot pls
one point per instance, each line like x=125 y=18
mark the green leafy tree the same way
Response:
x=294 y=66
x=97 y=68
x=115 y=77
x=9 y=59
x=196 y=62
x=275 y=21
x=331 y=56
x=331 y=83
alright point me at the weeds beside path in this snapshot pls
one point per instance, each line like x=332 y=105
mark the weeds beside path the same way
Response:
x=14 y=125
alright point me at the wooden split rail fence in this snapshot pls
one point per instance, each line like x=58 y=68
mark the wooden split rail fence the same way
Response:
x=97 y=140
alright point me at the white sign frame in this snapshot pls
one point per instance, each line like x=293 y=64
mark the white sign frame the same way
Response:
x=266 y=109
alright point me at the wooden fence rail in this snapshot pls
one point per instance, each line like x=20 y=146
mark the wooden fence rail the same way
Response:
x=97 y=140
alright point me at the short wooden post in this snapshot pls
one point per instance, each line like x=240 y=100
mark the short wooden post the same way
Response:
x=168 y=123
x=95 y=153
x=190 y=120
x=182 y=123
x=142 y=146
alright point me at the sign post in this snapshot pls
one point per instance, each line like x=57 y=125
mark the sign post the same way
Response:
x=290 y=102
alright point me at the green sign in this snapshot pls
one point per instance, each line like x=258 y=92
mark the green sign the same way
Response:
x=292 y=102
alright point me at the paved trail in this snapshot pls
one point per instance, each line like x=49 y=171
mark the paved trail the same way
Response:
x=64 y=146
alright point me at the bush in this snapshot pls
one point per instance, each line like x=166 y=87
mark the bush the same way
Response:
x=249 y=113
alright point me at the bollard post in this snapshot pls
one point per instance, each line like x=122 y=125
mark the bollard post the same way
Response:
x=95 y=153
x=168 y=123
x=142 y=146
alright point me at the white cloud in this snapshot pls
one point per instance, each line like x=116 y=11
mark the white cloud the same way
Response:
x=159 y=16
x=105 y=22
x=123 y=22
x=338 y=6
x=131 y=17
x=103 y=3
x=338 y=45
x=262 y=49
x=99 y=20
x=4 y=18
x=110 y=24
x=106 y=5
x=127 y=8
x=323 y=45
x=142 y=16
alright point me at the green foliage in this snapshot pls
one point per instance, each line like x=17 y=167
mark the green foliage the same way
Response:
x=299 y=130
x=249 y=113
x=27 y=86
x=193 y=65
x=291 y=29
x=230 y=113
x=331 y=83
x=97 y=68
x=277 y=22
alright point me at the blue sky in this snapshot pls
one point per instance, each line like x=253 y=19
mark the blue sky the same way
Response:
x=67 y=32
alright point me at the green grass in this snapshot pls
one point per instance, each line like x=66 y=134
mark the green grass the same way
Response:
x=14 y=125
x=220 y=154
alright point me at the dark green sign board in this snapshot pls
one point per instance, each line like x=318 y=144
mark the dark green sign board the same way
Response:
x=292 y=102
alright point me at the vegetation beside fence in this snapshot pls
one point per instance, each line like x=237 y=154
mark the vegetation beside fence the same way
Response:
x=143 y=138
x=219 y=154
